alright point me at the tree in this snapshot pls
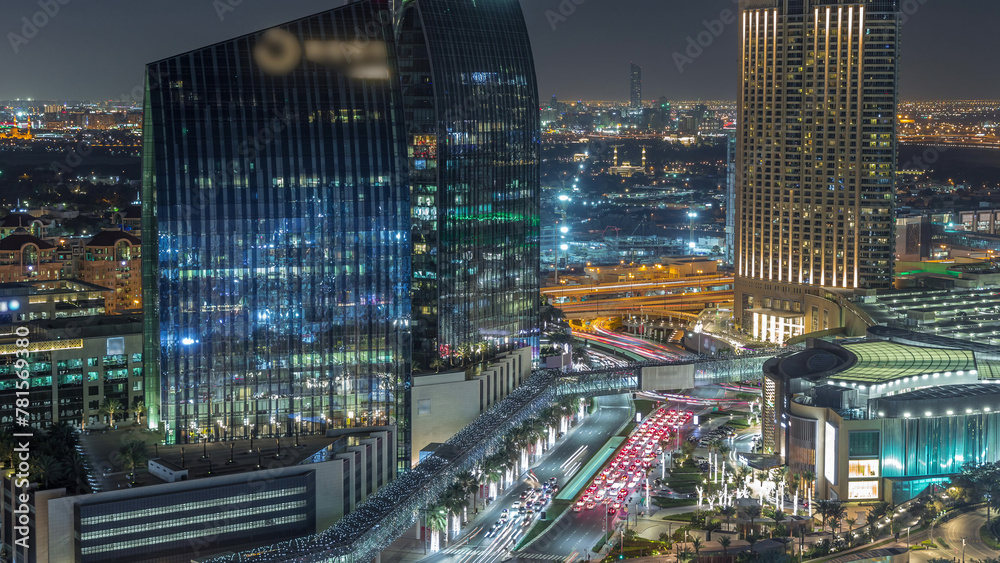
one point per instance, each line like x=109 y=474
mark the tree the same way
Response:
x=753 y=512
x=437 y=364
x=138 y=409
x=711 y=526
x=46 y=468
x=468 y=484
x=697 y=543
x=837 y=513
x=110 y=407
x=132 y=454
x=728 y=512
x=725 y=541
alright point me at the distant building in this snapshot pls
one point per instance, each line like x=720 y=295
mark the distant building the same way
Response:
x=15 y=220
x=635 y=86
x=113 y=259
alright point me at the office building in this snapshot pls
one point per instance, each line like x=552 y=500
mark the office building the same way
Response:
x=276 y=233
x=78 y=355
x=884 y=418
x=816 y=159
x=473 y=132
x=635 y=86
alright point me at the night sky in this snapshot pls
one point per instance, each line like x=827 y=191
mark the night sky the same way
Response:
x=96 y=49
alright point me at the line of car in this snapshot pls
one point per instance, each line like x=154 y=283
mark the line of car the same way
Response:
x=626 y=473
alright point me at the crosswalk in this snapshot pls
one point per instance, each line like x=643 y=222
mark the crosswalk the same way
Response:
x=541 y=557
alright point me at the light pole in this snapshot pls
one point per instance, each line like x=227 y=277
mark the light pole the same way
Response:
x=963 y=549
x=908 y=537
x=692 y=215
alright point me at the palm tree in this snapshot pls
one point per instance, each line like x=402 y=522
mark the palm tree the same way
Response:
x=132 y=455
x=850 y=525
x=711 y=526
x=437 y=521
x=728 y=512
x=724 y=541
x=824 y=507
x=138 y=409
x=46 y=468
x=63 y=432
x=7 y=446
x=753 y=512
x=778 y=517
x=753 y=538
x=464 y=351
x=696 y=543
x=110 y=407
x=837 y=513
x=437 y=364
x=469 y=484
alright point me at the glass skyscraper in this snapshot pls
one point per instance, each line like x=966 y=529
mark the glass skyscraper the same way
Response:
x=277 y=203
x=473 y=136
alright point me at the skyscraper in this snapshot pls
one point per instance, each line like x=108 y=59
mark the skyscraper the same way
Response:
x=635 y=86
x=277 y=234
x=816 y=159
x=473 y=131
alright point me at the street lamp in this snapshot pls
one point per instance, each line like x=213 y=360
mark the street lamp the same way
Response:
x=692 y=215
x=963 y=549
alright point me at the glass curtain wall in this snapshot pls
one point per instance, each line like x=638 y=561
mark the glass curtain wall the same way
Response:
x=473 y=132
x=276 y=198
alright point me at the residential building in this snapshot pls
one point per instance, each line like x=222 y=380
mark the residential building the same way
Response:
x=113 y=259
x=816 y=158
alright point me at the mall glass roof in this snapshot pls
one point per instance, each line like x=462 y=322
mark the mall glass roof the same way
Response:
x=878 y=362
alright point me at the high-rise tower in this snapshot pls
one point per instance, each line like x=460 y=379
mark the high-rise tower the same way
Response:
x=277 y=234
x=816 y=159
x=635 y=86
x=473 y=131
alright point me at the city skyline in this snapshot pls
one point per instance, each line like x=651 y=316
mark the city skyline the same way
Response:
x=567 y=56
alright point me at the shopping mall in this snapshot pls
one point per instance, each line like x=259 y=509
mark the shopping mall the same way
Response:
x=884 y=417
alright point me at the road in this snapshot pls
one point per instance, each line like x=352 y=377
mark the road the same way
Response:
x=580 y=531
x=473 y=545
x=965 y=525
x=644 y=348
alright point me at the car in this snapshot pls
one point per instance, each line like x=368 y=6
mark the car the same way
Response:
x=526 y=521
x=590 y=506
x=517 y=504
x=505 y=514
x=577 y=507
x=611 y=510
x=524 y=495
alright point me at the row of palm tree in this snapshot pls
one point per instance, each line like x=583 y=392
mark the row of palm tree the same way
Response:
x=110 y=407
x=498 y=469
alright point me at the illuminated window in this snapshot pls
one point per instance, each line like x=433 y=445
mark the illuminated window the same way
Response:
x=862 y=490
x=862 y=468
x=830 y=467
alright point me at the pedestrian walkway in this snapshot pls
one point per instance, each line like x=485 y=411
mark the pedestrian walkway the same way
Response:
x=541 y=557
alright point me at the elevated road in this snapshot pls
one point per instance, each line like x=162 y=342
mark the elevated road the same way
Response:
x=665 y=305
x=639 y=288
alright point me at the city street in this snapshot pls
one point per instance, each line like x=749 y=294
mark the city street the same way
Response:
x=472 y=545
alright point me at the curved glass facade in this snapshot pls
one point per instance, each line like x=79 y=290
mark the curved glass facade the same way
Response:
x=473 y=132
x=276 y=181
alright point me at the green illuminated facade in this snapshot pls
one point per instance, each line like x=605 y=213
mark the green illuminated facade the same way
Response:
x=473 y=135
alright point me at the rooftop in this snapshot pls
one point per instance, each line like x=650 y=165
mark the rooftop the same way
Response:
x=879 y=361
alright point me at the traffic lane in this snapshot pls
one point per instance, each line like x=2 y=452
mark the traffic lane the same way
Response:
x=967 y=526
x=611 y=414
